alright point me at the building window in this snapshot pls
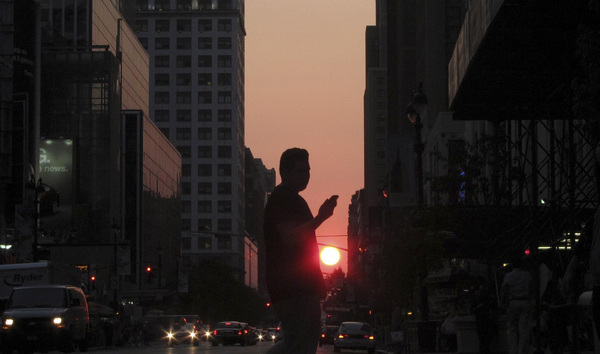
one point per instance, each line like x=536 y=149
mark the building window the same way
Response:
x=224 y=188
x=184 y=5
x=224 y=225
x=144 y=42
x=186 y=224
x=162 y=43
x=186 y=170
x=186 y=188
x=165 y=132
x=224 y=134
x=224 y=152
x=185 y=151
x=141 y=26
x=204 y=170
x=184 y=97
x=184 y=79
x=204 y=61
x=186 y=206
x=184 y=61
x=205 y=43
x=184 y=134
x=204 y=206
x=224 y=79
x=204 y=188
x=184 y=115
x=204 y=243
x=204 y=151
x=224 y=170
x=224 y=206
x=205 y=4
x=205 y=97
x=142 y=5
x=204 y=25
x=161 y=97
x=224 y=242
x=161 y=61
x=186 y=243
x=224 y=43
x=161 y=26
x=161 y=79
x=204 y=133
x=184 y=43
x=205 y=79
x=224 y=115
x=161 y=115
x=184 y=25
x=204 y=224
x=224 y=25
x=224 y=97
x=224 y=61
x=204 y=115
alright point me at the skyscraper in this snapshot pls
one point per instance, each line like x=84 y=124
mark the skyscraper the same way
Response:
x=196 y=50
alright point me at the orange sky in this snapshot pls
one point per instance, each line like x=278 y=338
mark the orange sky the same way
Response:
x=305 y=80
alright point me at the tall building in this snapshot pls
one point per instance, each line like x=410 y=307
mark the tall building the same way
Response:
x=196 y=50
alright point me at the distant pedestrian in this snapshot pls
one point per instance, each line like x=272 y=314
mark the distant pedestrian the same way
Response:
x=293 y=271
x=517 y=293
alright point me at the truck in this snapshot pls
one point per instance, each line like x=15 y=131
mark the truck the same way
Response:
x=36 y=273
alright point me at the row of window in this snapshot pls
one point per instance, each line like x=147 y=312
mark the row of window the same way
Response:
x=206 y=170
x=182 y=25
x=203 y=133
x=206 y=206
x=185 y=79
x=185 y=61
x=206 y=224
x=206 y=243
x=183 y=97
x=206 y=188
x=164 y=43
x=185 y=115
x=183 y=5
x=205 y=152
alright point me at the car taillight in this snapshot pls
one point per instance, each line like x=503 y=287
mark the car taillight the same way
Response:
x=322 y=335
x=215 y=332
x=239 y=333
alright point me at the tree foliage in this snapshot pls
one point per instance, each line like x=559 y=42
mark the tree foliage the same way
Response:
x=216 y=295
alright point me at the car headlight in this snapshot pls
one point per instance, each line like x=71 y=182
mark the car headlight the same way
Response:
x=57 y=321
x=8 y=322
x=193 y=334
x=170 y=335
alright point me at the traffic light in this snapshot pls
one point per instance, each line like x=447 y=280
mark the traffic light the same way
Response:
x=150 y=273
x=93 y=282
x=268 y=304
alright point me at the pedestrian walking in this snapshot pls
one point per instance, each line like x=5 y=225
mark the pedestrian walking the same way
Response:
x=517 y=293
x=293 y=273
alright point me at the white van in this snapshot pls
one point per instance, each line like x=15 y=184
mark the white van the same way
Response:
x=44 y=317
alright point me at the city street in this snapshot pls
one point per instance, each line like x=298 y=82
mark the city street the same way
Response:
x=159 y=347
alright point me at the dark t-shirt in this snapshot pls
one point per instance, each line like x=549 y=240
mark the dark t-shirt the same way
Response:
x=291 y=271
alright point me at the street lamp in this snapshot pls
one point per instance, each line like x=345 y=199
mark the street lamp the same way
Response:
x=415 y=110
x=37 y=188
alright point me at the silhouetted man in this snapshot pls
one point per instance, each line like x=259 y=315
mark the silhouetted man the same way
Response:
x=518 y=294
x=294 y=278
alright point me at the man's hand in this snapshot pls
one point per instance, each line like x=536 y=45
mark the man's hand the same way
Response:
x=326 y=209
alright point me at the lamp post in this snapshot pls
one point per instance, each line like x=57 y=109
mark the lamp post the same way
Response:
x=37 y=188
x=416 y=108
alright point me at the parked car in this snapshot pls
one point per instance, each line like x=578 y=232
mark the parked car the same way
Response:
x=228 y=333
x=45 y=317
x=328 y=334
x=354 y=335
x=183 y=332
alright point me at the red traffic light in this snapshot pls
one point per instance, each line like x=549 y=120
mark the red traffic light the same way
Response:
x=148 y=269
x=268 y=304
x=527 y=251
x=93 y=278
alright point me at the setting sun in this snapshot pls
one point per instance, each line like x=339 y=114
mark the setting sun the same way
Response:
x=330 y=255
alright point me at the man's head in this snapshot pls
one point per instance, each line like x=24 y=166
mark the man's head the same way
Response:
x=294 y=169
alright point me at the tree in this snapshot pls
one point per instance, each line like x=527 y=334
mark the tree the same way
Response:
x=216 y=295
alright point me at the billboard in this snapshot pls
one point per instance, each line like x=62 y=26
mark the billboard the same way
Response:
x=56 y=193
